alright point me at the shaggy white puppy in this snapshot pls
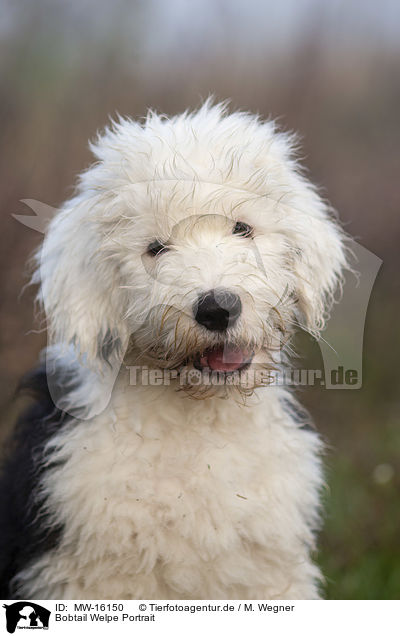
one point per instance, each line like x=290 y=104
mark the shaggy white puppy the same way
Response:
x=193 y=247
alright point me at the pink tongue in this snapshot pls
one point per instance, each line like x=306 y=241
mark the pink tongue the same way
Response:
x=225 y=359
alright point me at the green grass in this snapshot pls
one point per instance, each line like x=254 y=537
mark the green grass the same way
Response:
x=360 y=547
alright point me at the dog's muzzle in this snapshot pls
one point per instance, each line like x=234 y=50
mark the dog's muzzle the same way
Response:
x=217 y=309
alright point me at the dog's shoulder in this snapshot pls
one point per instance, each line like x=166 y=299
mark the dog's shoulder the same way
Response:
x=24 y=531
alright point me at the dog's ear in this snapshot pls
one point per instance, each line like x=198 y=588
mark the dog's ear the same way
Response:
x=319 y=256
x=79 y=287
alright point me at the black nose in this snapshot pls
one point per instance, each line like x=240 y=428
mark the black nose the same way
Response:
x=217 y=309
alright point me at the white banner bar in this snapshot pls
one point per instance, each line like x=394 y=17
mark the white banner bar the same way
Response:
x=198 y=617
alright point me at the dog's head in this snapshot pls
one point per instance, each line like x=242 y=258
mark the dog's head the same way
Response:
x=193 y=241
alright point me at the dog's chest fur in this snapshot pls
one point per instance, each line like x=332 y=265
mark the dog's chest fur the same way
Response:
x=162 y=496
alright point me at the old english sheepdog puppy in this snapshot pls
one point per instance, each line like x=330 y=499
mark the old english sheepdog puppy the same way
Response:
x=162 y=458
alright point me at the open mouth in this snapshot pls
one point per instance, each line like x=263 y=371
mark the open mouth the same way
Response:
x=224 y=359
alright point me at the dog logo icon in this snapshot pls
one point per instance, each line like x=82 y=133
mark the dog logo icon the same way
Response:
x=26 y=615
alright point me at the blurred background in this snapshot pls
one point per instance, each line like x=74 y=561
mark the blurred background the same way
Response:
x=329 y=70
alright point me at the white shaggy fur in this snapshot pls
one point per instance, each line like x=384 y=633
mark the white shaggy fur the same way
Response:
x=162 y=494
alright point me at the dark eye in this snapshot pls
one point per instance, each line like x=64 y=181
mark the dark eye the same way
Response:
x=155 y=248
x=242 y=228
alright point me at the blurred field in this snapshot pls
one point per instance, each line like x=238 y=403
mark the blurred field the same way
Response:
x=66 y=67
